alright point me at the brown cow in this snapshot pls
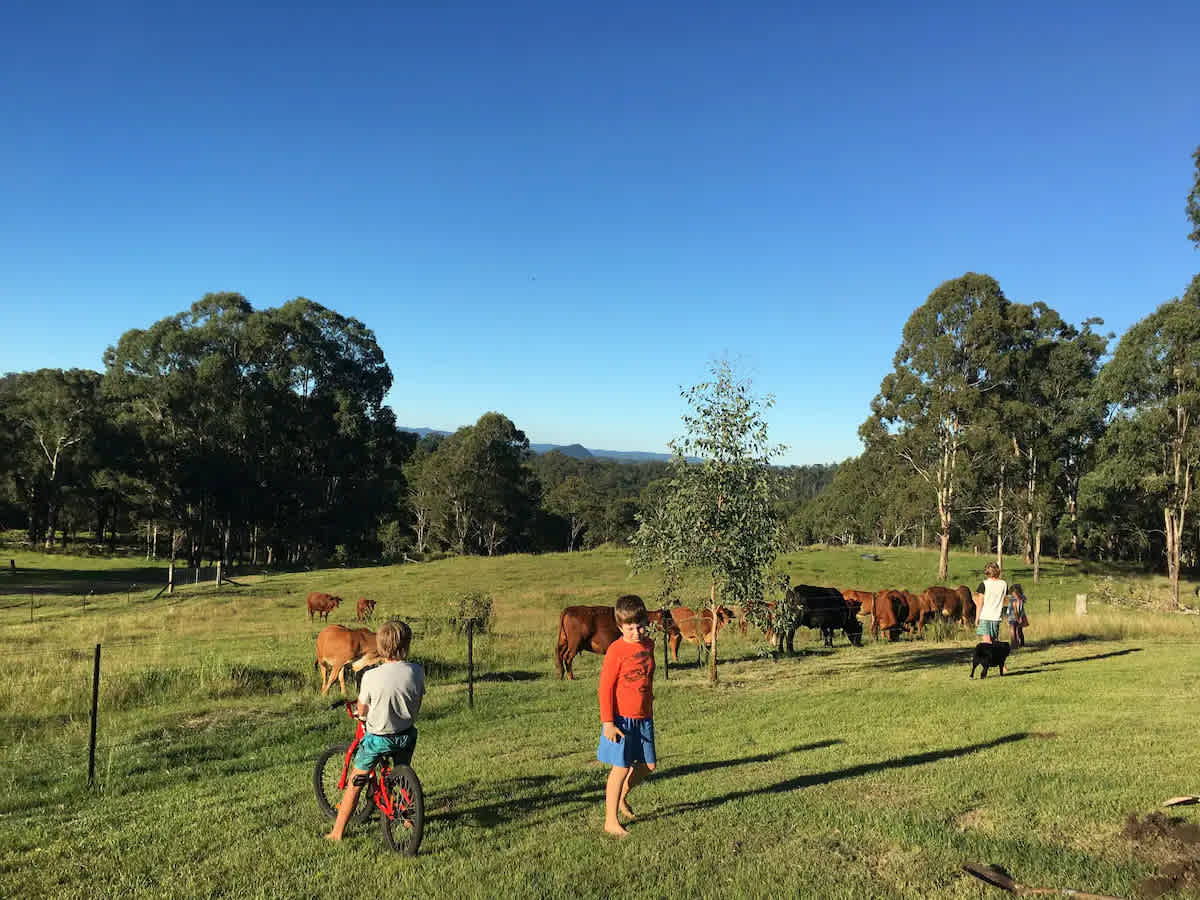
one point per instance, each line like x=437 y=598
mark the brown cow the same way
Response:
x=322 y=604
x=962 y=607
x=337 y=647
x=932 y=601
x=865 y=599
x=365 y=609
x=889 y=608
x=593 y=628
x=691 y=626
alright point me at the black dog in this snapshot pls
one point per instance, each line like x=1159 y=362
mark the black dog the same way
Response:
x=987 y=655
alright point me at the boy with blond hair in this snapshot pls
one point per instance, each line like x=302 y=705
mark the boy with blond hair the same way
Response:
x=388 y=703
x=626 y=696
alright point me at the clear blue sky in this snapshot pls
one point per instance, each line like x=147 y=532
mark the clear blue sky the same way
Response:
x=565 y=211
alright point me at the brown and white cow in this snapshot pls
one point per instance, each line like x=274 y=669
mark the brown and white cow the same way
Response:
x=693 y=626
x=364 y=610
x=322 y=604
x=593 y=628
x=338 y=647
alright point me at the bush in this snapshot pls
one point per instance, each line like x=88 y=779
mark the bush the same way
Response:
x=475 y=608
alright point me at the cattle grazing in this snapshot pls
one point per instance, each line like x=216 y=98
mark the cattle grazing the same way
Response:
x=692 y=626
x=889 y=608
x=987 y=655
x=337 y=647
x=823 y=608
x=960 y=606
x=365 y=609
x=865 y=599
x=594 y=628
x=928 y=605
x=322 y=605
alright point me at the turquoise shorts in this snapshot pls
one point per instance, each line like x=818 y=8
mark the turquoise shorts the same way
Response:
x=377 y=747
x=988 y=627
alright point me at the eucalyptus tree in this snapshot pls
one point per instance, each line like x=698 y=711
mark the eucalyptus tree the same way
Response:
x=1193 y=203
x=718 y=515
x=53 y=416
x=1046 y=411
x=946 y=364
x=1152 y=447
x=270 y=422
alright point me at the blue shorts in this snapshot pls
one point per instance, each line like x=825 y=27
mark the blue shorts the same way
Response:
x=636 y=747
x=989 y=627
x=376 y=747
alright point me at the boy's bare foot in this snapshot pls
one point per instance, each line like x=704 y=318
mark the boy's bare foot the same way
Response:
x=615 y=829
x=627 y=812
x=330 y=837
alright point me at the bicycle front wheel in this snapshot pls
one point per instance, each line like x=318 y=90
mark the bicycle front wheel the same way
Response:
x=326 y=775
x=404 y=829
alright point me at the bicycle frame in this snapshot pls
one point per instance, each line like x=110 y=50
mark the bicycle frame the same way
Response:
x=375 y=782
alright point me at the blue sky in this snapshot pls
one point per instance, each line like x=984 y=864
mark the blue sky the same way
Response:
x=566 y=212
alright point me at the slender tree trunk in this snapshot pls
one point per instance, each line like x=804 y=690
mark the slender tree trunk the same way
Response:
x=999 y=522
x=1037 y=552
x=712 y=657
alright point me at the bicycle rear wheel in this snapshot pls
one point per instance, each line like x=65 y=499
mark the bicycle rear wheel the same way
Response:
x=326 y=775
x=404 y=830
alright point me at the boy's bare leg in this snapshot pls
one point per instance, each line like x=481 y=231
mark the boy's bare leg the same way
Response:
x=349 y=801
x=613 y=792
x=637 y=774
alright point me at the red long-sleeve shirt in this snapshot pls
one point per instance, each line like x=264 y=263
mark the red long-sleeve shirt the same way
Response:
x=627 y=680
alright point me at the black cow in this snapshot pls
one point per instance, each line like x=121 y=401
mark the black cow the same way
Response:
x=819 y=607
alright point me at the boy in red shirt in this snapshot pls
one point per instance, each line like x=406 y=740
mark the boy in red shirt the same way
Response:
x=626 y=710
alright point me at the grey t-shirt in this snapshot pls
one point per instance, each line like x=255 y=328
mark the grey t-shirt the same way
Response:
x=393 y=693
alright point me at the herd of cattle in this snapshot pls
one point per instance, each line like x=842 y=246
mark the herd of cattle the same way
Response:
x=594 y=628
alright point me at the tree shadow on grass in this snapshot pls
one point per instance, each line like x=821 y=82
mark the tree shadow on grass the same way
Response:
x=76 y=582
x=821 y=778
x=527 y=796
x=1094 y=656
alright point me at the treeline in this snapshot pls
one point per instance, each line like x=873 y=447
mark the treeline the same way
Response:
x=260 y=436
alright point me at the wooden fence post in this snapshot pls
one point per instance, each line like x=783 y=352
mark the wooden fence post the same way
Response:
x=1081 y=604
x=95 y=710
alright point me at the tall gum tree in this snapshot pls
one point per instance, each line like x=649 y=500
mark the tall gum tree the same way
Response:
x=1152 y=447
x=944 y=367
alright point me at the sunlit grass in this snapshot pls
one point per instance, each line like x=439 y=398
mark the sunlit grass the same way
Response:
x=868 y=772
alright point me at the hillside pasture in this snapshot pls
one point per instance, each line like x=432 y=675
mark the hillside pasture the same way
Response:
x=853 y=772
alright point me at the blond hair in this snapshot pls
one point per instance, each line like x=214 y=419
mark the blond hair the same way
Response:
x=393 y=639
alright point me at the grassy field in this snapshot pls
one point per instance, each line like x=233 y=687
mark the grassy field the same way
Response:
x=856 y=772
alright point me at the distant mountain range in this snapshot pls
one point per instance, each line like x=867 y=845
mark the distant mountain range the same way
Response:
x=578 y=451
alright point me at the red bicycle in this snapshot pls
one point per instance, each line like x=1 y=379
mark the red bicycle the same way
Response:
x=394 y=790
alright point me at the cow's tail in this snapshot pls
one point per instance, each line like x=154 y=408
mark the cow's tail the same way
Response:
x=560 y=648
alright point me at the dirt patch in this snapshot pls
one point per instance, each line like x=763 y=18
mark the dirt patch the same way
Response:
x=978 y=819
x=1172 y=845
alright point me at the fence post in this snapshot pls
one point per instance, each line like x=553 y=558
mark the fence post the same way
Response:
x=1081 y=604
x=31 y=602
x=666 y=660
x=95 y=705
x=218 y=573
x=470 y=664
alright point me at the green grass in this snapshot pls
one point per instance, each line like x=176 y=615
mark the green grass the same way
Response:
x=868 y=772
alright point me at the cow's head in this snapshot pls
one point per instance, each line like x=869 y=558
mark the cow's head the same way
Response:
x=724 y=614
x=335 y=600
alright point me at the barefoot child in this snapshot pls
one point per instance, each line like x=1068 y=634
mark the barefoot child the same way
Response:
x=626 y=711
x=388 y=702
